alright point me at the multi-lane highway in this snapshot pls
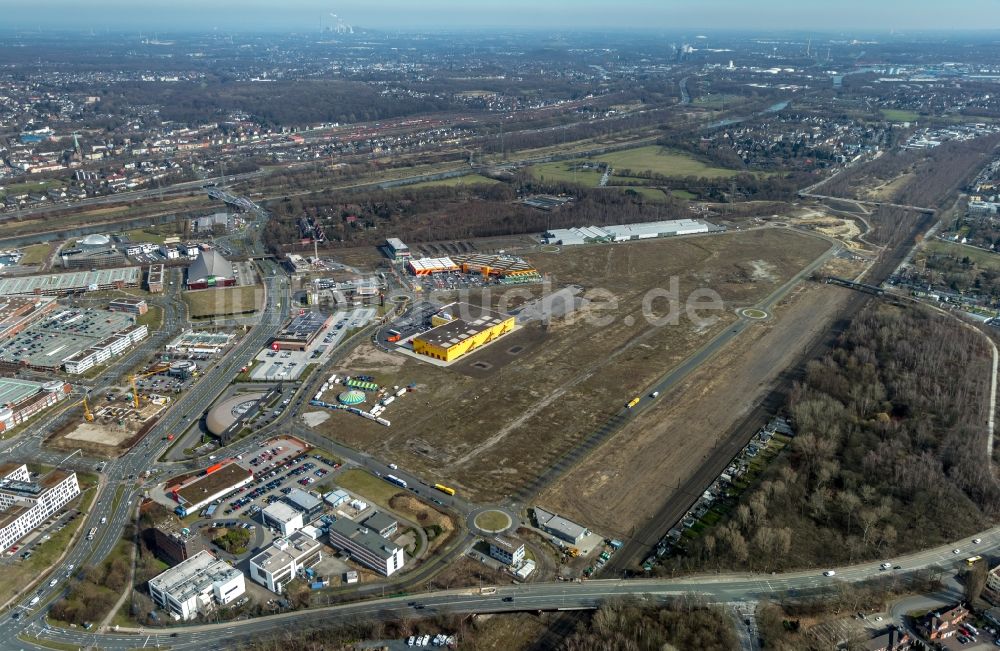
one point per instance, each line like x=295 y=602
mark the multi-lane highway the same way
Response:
x=721 y=588
x=109 y=517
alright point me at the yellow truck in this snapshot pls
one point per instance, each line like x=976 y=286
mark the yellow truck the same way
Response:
x=633 y=402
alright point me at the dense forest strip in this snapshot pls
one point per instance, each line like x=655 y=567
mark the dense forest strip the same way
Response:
x=899 y=236
x=887 y=457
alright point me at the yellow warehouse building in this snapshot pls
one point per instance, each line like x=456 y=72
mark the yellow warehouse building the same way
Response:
x=459 y=329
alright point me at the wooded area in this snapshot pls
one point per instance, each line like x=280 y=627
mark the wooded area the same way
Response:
x=890 y=452
x=630 y=624
x=443 y=212
x=935 y=173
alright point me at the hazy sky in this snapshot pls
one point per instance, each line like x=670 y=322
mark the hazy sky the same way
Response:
x=301 y=15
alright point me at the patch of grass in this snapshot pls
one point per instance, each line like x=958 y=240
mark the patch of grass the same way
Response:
x=152 y=319
x=205 y=303
x=23 y=573
x=35 y=254
x=40 y=468
x=900 y=115
x=661 y=160
x=455 y=181
x=48 y=644
x=980 y=257
x=564 y=172
x=30 y=186
x=492 y=520
x=719 y=101
x=367 y=486
x=684 y=194
x=118 y=497
x=147 y=235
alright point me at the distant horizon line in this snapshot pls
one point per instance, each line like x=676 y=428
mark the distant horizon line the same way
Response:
x=841 y=32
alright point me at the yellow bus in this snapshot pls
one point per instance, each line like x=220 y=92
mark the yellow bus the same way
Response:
x=973 y=560
x=445 y=489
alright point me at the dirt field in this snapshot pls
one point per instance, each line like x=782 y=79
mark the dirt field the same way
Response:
x=107 y=436
x=225 y=300
x=487 y=435
x=99 y=434
x=624 y=482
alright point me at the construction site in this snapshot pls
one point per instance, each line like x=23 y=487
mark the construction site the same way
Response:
x=110 y=425
x=493 y=423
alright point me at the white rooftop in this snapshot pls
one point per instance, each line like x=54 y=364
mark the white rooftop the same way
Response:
x=281 y=512
x=193 y=576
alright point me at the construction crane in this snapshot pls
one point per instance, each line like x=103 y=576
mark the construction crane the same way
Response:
x=87 y=414
x=159 y=368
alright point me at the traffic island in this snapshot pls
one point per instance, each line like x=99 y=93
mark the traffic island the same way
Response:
x=492 y=521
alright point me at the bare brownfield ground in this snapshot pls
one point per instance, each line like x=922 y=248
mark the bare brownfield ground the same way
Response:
x=628 y=479
x=486 y=434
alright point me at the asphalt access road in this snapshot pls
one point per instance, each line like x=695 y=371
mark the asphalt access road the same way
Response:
x=528 y=597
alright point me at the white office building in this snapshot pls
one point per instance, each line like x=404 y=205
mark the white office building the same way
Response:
x=366 y=546
x=196 y=585
x=507 y=550
x=105 y=349
x=26 y=504
x=282 y=517
x=274 y=567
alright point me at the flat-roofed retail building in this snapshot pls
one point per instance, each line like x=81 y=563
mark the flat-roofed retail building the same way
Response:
x=461 y=328
x=211 y=484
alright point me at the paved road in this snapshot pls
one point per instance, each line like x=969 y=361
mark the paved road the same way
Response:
x=188 y=407
x=728 y=588
x=861 y=202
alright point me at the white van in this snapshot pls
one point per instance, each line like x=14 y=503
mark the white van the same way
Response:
x=34 y=600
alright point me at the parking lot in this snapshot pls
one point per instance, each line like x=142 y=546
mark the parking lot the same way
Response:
x=277 y=472
x=277 y=365
x=163 y=383
x=416 y=320
x=24 y=548
x=451 y=281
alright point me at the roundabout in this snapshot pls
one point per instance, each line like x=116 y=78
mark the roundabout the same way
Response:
x=754 y=313
x=492 y=521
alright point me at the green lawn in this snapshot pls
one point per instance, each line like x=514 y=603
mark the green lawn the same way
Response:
x=660 y=160
x=153 y=319
x=492 y=520
x=982 y=259
x=367 y=486
x=226 y=300
x=563 y=172
x=48 y=644
x=683 y=194
x=29 y=186
x=454 y=181
x=899 y=115
x=35 y=254
x=142 y=235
